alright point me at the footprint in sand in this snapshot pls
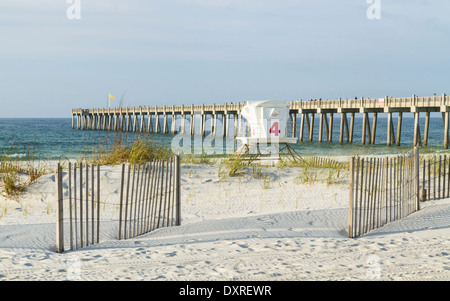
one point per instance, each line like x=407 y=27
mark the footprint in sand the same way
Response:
x=172 y=254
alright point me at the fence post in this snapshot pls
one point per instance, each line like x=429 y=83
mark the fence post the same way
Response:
x=121 y=200
x=81 y=205
x=59 y=211
x=177 y=189
x=98 y=203
x=350 y=206
x=416 y=172
x=70 y=206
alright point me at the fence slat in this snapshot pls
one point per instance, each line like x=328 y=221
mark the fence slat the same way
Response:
x=81 y=205
x=375 y=194
x=397 y=188
x=355 y=215
x=157 y=192
x=429 y=181
x=132 y=202
x=416 y=172
x=166 y=197
x=59 y=211
x=75 y=203
x=361 y=197
x=350 y=207
x=145 y=198
x=401 y=184
x=125 y=222
x=121 y=201
x=70 y=206
x=87 y=204
x=161 y=194
x=141 y=171
x=92 y=205
x=443 y=175
x=384 y=195
x=391 y=161
x=150 y=197
x=98 y=203
x=448 y=178
x=439 y=179
x=379 y=194
x=178 y=190
x=434 y=178
x=423 y=192
x=136 y=198
x=367 y=206
x=386 y=198
x=169 y=197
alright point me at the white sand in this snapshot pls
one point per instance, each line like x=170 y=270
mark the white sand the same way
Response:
x=234 y=229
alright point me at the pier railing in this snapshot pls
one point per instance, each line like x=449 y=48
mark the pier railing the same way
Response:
x=147 y=119
x=336 y=104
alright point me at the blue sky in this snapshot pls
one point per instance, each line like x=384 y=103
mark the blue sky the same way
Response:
x=164 y=52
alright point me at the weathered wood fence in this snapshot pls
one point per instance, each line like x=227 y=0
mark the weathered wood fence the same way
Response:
x=435 y=178
x=83 y=196
x=382 y=190
x=149 y=199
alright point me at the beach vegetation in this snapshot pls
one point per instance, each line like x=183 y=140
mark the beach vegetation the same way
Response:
x=198 y=159
x=232 y=167
x=3 y=211
x=266 y=179
x=315 y=169
x=139 y=150
x=314 y=162
x=256 y=171
x=18 y=172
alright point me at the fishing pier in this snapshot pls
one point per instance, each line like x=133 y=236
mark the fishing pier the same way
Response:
x=163 y=119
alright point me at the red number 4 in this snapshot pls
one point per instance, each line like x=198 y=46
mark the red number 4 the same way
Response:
x=274 y=129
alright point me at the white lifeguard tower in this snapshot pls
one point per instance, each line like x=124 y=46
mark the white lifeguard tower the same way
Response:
x=267 y=121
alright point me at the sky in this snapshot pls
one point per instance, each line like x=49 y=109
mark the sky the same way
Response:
x=56 y=55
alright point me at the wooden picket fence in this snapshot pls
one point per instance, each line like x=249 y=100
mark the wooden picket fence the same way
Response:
x=149 y=199
x=382 y=190
x=83 y=195
x=435 y=178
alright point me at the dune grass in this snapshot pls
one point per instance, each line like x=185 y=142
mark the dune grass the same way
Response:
x=17 y=173
x=139 y=150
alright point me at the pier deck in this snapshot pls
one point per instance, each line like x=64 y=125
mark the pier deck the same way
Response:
x=147 y=119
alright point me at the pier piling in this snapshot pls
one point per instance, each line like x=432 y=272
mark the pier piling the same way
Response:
x=147 y=119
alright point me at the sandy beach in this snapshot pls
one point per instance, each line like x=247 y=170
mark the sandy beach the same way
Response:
x=273 y=227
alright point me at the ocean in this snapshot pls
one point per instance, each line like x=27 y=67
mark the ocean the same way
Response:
x=52 y=139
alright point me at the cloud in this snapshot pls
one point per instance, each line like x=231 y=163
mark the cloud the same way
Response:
x=287 y=30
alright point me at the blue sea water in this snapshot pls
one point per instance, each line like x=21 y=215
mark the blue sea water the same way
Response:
x=54 y=138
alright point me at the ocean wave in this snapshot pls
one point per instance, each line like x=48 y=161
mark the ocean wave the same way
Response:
x=14 y=155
